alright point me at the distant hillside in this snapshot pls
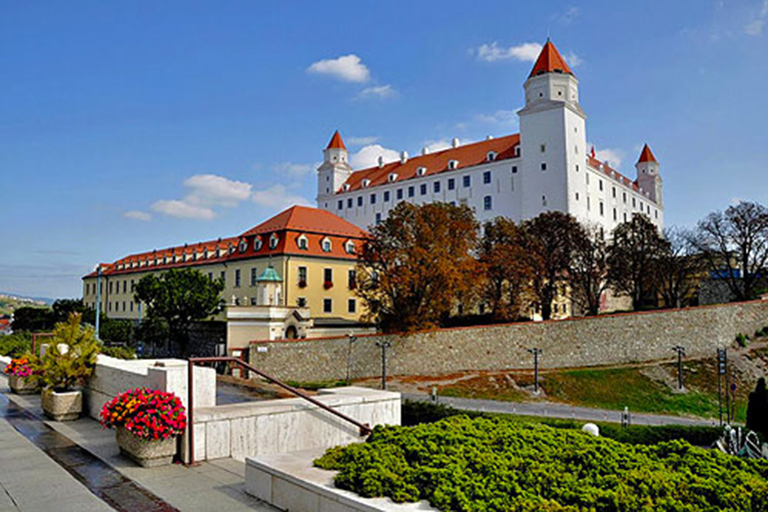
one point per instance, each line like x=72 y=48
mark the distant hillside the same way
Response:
x=10 y=302
x=46 y=301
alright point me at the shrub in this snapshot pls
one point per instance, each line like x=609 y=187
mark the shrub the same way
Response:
x=742 y=339
x=16 y=344
x=118 y=352
x=465 y=464
x=146 y=413
x=71 y=355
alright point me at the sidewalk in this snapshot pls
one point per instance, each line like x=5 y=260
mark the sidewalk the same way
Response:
x=562 y=411
x=215 y=485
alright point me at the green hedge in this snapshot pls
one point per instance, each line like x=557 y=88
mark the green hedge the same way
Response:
x=15 y=345
x=483 y=464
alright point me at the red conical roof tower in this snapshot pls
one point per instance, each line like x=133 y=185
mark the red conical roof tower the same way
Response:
x=336 y=142
x=646 y=155
x=550 y=61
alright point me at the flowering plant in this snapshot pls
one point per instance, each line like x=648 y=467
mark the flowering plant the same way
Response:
x=21 y=367
x=146 y=413
x=328 y=285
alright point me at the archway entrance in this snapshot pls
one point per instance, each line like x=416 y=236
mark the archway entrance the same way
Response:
x=291 y=333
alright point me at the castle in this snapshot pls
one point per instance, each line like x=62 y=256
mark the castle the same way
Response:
x=546 y=166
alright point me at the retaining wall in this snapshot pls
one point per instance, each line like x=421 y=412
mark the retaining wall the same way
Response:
x=608 y=339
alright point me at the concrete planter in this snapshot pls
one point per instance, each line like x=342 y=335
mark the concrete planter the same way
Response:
x=65 y=406
x=148 y=454
x=22 y=386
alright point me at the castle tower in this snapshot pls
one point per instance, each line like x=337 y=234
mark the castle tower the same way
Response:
x=269 y=288
x=553 y=139
x=648 y=176
x=334 y=170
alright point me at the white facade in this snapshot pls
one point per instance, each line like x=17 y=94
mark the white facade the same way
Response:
x=548 y=167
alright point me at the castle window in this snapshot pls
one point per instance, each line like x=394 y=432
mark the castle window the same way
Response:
x=237 y=278
x=423 y=189
x=487 y=177
x=302 y=242
x=399 y=194
x=543 y=166
x=543 y=200
x=451 y=183
x=326 y=245
x=257 y=243
x=254 y=275
x=273 y=241
x=351 y=305
x=301 y=302
x=615 y=214
x=491 y=156
x=577 y=196
x=514 y=169
x=517 y=150
x=302 y=277
x=577 y=167
x=378 y=219
x=341 y=204
x=411 y=191
x=386 y=196
x=436 y=187
x=633 y=202
x=656 y=213
x=487 y=203
x=600 y=184
x=350 y=203
x=243 y=246
x=601 y=208
x=543 y=148
x=373 y=198
x=327 y=306
x=349 y=247
x=223 y=276
x=466 y=181
x=624 y=197
x=625 y=216
x=345 y=187
x=366 y=182
x=453 y=164
x=392 y=177
x=421 y=171
x=360 y=201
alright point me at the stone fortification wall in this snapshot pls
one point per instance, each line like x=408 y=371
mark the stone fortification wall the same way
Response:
x=611 y=339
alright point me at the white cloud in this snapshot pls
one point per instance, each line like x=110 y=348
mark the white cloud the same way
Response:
x=526 y=52
x=573 y=60
x=568 y=16
x=377 y=92
x=138 y=215
x=368 y=156
x=500 y=117
x=210 y=189
x=612 y=156
x=297 y=170
x=278 y=197
x=756 y=26
x=348 y=68
x=437 y=145
x=183 y=210
x=362 y=141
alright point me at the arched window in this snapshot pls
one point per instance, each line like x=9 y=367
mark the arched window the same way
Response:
x=349 y=247
x=491 y=156
x=257 y=243
x=273 y=241
x=326 y=245
x=453 y=164
x=302 y=242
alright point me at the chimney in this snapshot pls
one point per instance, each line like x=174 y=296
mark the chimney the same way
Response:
x=403 y=157
x=381 y=161
x=425 y=150
x=489 y=137
x=455 y=142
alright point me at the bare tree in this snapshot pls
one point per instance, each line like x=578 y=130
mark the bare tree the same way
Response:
x=734 y=244
x=588 y=276
x=679 y=268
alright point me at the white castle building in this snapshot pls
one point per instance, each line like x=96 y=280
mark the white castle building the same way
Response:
x=546 y=166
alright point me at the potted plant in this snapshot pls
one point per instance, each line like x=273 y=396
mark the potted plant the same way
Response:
x=147 y=422
x=23 y=376
x=66 y=366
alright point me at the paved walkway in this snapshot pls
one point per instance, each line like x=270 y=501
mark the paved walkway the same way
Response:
x=554 y=410
x=91 y=474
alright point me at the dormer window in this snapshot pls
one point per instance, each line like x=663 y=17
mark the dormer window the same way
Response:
x=231 y=249
x=218 y=252
x=392 y=177
x=421 y=171
x=205 y=254
x=302 y=243
x=349 y=247
x=243 y=245
x=165 y=260
x=517 y=150
x=257 y=243
x=491 y=156
x=326 y=245
x=273 y=241
x=345 y=187
x=366 y=182
x=453 y=164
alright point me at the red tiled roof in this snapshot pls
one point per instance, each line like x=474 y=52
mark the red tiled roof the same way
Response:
x=550 y=61
x=336 y=142
x=437 y=162
x=288 y=226
x=646 y=155
x=610 y=172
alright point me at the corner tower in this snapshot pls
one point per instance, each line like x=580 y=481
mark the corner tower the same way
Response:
x=334 y=170
x=648 y=176
x=553 y=139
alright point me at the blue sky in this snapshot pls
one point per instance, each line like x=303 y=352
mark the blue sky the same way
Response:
x=128 y=126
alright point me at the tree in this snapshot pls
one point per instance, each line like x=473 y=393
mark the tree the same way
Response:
x=416 y=263
x=588 y=276
x=734 y=244
x=678 y=269
x=632 y=255
x=506 y=268
x=32 y=319
x=62 y=308
x=550 y=240
x=757 y=409
x=179 y=297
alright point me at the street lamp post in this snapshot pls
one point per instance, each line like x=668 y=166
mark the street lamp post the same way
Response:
x=536 y=352
x=680 y=354
x=384 y=345
x=98 y=301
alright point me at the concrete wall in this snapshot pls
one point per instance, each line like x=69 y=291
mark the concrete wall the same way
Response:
x=113 y=376
x=288 y=425
x=610 y=339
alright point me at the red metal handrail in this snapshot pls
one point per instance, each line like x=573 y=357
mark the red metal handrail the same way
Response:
x=364 y=428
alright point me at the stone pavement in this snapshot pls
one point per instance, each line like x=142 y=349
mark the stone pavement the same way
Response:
x=216 y=485
x=563 y=411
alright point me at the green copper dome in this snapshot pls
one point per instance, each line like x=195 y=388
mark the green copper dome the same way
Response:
x=270 y=275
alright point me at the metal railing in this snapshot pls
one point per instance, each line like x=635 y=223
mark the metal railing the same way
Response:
x=364 y=428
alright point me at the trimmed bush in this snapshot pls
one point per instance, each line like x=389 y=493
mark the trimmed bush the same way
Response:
x=15 y=345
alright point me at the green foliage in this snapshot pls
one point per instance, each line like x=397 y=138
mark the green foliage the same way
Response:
x=118 y=352
x=314 y=386
x=178 y=297
x=757 y=409
x=464 y=464
x=16 y=344
x=116 y=331
x=742 y=340
x=32 y=319
x=71 y=355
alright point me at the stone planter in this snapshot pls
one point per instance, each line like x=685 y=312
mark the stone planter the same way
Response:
x=65 y=406
x=22 y=386
x=148 y=454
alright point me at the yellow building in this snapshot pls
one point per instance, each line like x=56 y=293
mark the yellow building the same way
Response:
x=313 y=253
